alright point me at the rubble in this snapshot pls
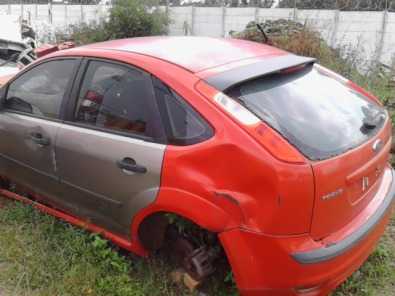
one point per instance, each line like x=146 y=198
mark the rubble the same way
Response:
x=272 y=28
x=190 y=282
x=180 y=276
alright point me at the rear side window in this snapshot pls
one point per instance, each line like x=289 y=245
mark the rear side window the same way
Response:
x=40 y=91
x=183 y=125
x=316 y=113
x=118 y=98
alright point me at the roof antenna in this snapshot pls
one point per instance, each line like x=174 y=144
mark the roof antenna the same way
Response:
x=266 y=38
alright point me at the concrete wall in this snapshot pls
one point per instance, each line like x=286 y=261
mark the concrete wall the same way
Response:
x=371 y=33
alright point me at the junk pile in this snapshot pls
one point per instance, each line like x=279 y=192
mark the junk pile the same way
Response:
x=288 y=35
x=271 y=28
x=18 y=46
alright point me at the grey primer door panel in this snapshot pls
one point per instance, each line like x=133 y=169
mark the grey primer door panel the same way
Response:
x=23 y=158
x=92 y=179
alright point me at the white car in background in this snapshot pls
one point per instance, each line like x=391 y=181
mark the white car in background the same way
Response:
x=18 y=47
x=15 y=53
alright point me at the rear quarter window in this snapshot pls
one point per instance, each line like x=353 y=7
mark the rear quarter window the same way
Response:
x=183 y=125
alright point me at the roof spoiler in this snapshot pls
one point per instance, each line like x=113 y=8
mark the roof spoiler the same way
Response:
x=225 y=80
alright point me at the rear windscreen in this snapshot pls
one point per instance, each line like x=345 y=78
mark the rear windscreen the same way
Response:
x=316 y=113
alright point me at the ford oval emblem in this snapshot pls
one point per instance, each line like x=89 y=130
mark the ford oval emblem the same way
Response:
x=377 y=145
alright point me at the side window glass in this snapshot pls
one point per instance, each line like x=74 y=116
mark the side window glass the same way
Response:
x=116 y=97
x=40 y=91
x=183 y=125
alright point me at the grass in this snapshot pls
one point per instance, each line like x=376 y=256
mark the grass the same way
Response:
x=40 y=255
x=43 y=256
x=377 y=275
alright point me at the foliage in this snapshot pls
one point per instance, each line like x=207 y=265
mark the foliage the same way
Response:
x=377 y=275
x=42 y=256
x=127 y=18
x=85 y=33
x=135 y=18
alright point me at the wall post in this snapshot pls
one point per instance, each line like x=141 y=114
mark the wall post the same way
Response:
x=22 y=11
x=82 y=14
x=223 y=21
x=66 y=15
x=295 y=14
x=193 y=16
x=256 y=15
x=50 y=12
x=380 y=44
x=335 y=27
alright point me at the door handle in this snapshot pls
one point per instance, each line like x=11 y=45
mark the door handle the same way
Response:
x=39 y=139
x=129 y=164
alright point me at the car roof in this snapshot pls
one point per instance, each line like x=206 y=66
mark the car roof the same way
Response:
x=194 y=54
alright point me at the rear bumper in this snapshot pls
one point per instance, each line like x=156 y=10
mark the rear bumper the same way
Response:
x=327 y=253
x=267 y=265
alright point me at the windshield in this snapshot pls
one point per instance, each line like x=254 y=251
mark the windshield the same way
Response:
x=316 y=113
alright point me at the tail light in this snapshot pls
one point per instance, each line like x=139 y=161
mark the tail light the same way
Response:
x=272 y=141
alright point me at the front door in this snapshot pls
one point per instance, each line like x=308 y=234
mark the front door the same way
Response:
x=29 y=124
x=109 y=157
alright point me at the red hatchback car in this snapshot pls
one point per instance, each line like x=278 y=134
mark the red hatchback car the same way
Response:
x=286 y=161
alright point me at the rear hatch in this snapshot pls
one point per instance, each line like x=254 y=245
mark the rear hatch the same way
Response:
x=343 y=133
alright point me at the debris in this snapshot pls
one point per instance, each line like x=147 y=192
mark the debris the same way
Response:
x=177 y=275
x=180 y=276
x=190 y=282
x=272 y=29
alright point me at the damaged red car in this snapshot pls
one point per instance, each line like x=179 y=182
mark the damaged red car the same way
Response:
x=282 y=160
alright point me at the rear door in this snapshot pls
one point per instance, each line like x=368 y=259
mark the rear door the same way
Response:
x=109 y=150
x=29 y=124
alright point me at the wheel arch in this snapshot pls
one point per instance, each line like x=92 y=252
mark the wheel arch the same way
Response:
x=201 y=211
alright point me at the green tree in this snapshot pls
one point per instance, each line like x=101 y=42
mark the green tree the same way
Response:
x=128 y=18
x=135 y=18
